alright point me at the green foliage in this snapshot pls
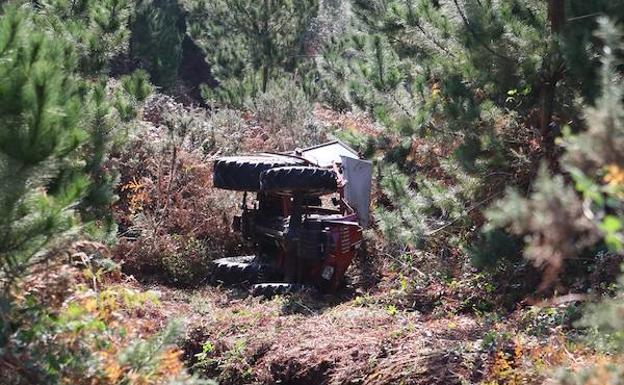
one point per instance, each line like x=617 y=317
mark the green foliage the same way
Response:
x=551 y=220
x=452 y=82
x=605 y=327
x=47 y=360
x=102 y=125
x=248 y=43
x=137 y=85
x=458 y=49
x=482 y=82
x=539 y=321
x=556 y=222
x=97 y=30
x=421 y=209
x=581 y=47
x=602 y=144
x=84 y=343
x=590 y=155
x=405 y=224
x=493 y=246
x=143 y=356
x=286 y=113
x=157 y=34
x=58 y=128
x=42 y=127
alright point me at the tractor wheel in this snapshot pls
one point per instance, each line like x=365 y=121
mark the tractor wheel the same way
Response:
x=270 y=290
x=242 y=173
x=307 y=180
x=238 y=270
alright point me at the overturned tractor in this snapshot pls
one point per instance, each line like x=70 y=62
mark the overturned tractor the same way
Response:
x=298 y=240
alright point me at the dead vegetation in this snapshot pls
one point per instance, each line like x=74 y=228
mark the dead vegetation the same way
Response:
x=351 y=339
x=299 y=340
x=238 y=339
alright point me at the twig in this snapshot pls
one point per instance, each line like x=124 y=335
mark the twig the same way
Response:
x=585 y=16
x=406 y=265
x=474 y=207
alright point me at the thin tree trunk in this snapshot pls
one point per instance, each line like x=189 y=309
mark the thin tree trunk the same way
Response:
x=556 y=15
x=551 y=74
x=267 y=46
x=265 y=77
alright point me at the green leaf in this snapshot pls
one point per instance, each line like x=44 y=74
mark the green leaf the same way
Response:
x=611 y=224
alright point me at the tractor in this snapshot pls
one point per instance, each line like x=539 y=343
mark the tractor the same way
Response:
x=302 y=212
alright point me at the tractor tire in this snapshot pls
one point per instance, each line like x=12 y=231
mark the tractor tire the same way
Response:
x=270 y=290
x=299 y=179
x=242 y=173
x=238 y=270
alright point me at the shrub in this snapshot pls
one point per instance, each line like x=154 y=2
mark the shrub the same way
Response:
x=81 y=327
x=172 y=222
x=285 y=113
x=552 y=220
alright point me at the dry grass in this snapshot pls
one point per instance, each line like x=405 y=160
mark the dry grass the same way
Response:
x=307 y=341
x=353 y=339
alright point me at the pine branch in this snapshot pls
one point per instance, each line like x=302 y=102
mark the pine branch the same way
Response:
x=425 y=34
x=474 y=34
x=471 y=209
x=433 y=40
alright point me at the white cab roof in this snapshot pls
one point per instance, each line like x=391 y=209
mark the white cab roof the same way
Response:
x=325 y=154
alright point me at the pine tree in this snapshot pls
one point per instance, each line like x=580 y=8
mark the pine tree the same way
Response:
x=95 y=33
x=103 y=128
x=41 y=113
x=98 y=29
x=57 y=129
x=250 y=43
x=485 y=81
x=157 y=32
x=554 y=221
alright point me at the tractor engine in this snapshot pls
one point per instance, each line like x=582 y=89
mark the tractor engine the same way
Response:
x=298 y=241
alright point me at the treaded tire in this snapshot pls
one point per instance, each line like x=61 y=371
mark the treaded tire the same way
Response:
x=304 y=179
x=270 y=290
x=242 y=173
x=238 y=270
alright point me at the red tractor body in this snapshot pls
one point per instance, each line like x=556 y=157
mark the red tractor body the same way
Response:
x=298 y=241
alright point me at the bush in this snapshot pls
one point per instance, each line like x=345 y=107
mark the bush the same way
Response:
x=285 y=113
x=551 y=220
x=172 y=222
x=80 y=326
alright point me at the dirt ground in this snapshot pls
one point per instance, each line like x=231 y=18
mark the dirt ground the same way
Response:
x=354 y=339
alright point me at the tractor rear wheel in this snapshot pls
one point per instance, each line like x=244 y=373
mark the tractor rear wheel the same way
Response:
x=242 y=173
x=239 y=270
x=299 y=179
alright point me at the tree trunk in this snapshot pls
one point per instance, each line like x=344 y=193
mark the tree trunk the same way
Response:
x=265 y=77
x=267 y=45
x=551 y=74
x=556 y=15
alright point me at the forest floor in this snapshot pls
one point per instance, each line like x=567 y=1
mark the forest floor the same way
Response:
x=355 y=338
